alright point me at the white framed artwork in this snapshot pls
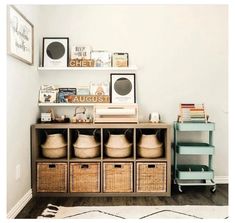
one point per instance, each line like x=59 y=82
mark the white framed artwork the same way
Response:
x=20 y=36
x=55 y=52
x=123 y=89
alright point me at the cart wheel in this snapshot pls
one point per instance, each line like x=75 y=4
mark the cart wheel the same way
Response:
x=180 y=189
x=213 y=189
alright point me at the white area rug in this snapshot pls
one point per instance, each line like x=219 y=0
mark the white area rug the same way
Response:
x=138 y=212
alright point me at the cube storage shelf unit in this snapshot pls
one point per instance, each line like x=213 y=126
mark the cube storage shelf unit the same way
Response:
x=100 y=176
x=194 y=175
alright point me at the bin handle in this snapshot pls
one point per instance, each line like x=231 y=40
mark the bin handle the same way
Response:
x=51 y=166
x=152 y=166
x=84 y=166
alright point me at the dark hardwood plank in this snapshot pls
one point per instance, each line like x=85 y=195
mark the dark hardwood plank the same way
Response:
x=190 y=196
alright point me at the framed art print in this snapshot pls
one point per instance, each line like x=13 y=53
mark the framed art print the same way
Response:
x=80 y=52
x=120 y=60
x=102 y=58
x=123 y=88
x=55 y=52
x=20 y=36
x=47 y=96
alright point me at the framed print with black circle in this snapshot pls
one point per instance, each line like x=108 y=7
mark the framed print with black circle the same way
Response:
x=55 y=52
x=122 y=87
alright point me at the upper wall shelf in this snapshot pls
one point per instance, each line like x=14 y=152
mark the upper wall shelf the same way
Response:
x=130 y=68
x=67 y=104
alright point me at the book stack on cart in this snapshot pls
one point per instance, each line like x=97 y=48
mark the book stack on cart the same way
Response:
x=192 y=113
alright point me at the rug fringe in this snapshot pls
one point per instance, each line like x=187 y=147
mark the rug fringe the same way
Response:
x=52 y=205
x=50 y=211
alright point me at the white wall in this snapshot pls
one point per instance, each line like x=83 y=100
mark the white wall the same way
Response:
x=181 y=52
x=22 y=111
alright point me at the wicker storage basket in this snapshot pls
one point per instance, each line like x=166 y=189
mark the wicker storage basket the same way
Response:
x=51 y=177
x=149 y=146
x=149 y=152
x=118 y=146
x=151 y=177
x=86 y=146
x=54 y=153
x=54 y=147
x=87 y=152
x=118 y=177
x=85 y=177
x=118 y=152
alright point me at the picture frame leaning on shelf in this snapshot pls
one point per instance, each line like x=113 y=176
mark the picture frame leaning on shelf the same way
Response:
x=123 y=88
x=55 y=52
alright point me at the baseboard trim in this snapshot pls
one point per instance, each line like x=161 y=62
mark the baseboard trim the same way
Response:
x=20 y=205
x=221 y=179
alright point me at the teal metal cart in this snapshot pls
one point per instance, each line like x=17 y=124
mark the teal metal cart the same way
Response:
x=194 y=175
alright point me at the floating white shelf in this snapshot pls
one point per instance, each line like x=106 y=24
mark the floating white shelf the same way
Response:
x=130 y=68
x=67 y=104
x=74 y=104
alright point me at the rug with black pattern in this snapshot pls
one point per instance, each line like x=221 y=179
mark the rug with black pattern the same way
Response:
x=137 y=212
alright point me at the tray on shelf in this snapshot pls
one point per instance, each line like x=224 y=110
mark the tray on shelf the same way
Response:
x=192 y=148
x=191 y=126
x=194 y=172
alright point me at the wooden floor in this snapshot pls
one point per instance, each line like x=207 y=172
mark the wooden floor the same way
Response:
x=190 y=196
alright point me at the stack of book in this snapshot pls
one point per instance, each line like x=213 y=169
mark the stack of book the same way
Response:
x=192 y=113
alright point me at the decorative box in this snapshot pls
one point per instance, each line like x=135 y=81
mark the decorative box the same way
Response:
x=46 y=117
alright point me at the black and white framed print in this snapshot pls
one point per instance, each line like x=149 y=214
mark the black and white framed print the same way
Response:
x=55 y=52
x=20 y=36
x=123 y=88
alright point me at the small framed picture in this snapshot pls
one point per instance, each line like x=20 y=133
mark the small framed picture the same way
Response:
x=83 y=90
x=80 y=52
x=123 y=89
x=99 y=88
x=55 y=52
x=20 y=36
x=101 y=58
x=47 y=96
x=65 y=93
x=120 y=60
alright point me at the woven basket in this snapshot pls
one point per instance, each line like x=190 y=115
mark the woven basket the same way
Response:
x=118 y=177
x=54 y=141
x=54 y=153
x=86 y=146
x=54 y=147
x=51 y=177
x=85 y=177
x=87 y=152
x=118 y=152
x=150 y=152
x=151 y=177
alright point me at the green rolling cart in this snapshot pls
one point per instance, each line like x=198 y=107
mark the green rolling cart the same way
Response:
x=194 y=175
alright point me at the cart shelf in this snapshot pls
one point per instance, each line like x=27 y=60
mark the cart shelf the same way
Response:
x=190 y=148
x=195 y=126
x=194 y=172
